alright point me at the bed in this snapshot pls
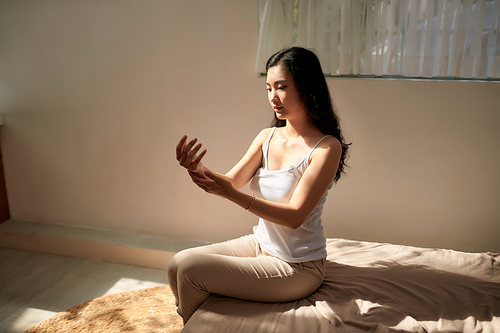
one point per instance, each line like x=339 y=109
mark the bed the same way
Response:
x=375 y=287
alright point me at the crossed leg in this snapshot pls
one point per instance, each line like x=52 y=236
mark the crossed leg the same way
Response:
x=239 y=269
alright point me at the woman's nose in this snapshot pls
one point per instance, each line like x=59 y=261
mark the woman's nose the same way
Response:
x=273 y=96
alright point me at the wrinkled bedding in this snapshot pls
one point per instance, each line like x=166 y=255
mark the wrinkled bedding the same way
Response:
x=378 y=288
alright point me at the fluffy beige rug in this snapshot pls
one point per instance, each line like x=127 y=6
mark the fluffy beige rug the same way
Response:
x=146 y=310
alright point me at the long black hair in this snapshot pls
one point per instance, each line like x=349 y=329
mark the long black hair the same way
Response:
x=305 y=69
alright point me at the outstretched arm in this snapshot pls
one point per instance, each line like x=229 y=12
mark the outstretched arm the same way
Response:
x=189 y=155
x=313 y=184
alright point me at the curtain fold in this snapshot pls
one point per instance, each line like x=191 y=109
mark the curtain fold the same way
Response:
x=410 y=38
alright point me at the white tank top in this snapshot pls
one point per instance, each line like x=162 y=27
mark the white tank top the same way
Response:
x=307 y=242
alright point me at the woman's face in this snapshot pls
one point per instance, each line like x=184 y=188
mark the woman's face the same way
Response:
x=283 y=94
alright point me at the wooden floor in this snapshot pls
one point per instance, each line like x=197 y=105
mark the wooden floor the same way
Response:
x=35 y=286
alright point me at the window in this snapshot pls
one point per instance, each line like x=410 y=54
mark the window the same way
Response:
x=387 y=38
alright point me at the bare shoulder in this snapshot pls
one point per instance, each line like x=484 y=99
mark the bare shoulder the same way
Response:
x=263 y=135
x=330 y=142
x=259 y=140
x=330 y=148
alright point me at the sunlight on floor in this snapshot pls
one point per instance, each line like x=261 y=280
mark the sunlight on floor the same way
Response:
x=32 y=316
x=127 y=284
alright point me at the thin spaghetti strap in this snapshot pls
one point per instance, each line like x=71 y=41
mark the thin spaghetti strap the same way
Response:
x=320 y=141
x=265 y=147
x=307 y=157
x=270 y=135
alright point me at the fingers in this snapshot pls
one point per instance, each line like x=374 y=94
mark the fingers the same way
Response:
x=182 y=148
x=180 y=145
x=200 y=156
x=203 y=183
x=211 y=176
x=187 y=148
x=198 y=178
x=186 y=154
x=194 y=177
x=192 y=153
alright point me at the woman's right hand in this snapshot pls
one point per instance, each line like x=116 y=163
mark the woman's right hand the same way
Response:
x=188 y=156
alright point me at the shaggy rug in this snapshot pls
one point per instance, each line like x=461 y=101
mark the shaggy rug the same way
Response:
x=146 y=310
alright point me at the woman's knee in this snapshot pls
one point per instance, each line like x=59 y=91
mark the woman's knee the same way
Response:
x=173 y=264
x=186 y=259
x=194 y=266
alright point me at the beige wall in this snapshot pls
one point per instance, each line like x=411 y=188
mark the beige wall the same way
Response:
x=96 y=94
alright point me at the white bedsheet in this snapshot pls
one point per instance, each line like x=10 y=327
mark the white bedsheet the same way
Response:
x=378 y=288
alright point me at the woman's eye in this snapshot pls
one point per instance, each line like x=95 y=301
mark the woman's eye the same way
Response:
x=282 y=87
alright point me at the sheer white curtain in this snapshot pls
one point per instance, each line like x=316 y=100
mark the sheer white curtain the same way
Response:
x=411 y=38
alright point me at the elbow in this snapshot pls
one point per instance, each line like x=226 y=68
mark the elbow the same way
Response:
x=294 y=226
x=296 y=217
x=290 y=222
x=296 y=221
x=292 y=218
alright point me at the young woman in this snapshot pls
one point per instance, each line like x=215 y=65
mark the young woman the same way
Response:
x=291 y=167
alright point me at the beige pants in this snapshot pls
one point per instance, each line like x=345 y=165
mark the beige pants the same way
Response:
x=240 y=269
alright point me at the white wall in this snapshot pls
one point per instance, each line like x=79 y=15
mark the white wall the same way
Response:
x=97 y=93
x=425 y=163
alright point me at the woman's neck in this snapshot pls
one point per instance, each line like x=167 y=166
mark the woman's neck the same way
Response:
x=301 y=128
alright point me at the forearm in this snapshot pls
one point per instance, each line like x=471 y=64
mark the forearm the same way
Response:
x=290 y=215
x=283 y=214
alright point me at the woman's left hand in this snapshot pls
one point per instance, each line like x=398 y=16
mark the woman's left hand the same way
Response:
x=213 y=184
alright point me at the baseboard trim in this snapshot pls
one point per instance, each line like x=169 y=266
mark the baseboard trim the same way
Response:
x=86 y=249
